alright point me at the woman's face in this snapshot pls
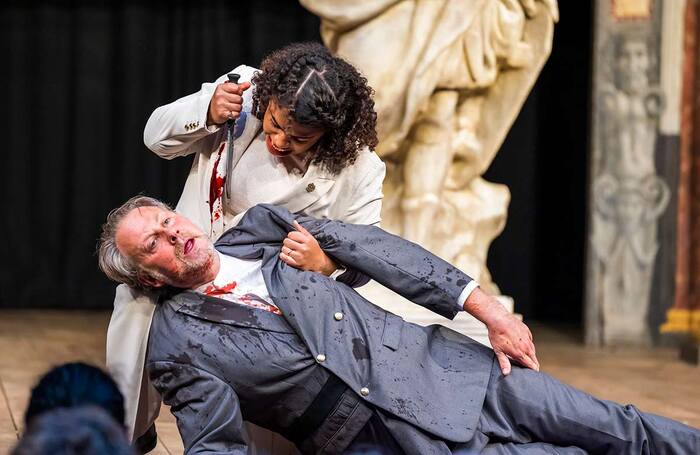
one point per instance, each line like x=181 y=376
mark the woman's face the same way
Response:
x=284 y=136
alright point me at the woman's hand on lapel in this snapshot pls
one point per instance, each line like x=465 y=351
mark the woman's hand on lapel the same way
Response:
x=301 y=250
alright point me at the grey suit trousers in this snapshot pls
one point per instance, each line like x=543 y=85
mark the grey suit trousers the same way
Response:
x=526 y=407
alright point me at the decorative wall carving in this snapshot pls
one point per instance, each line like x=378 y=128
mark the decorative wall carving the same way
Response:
x=629 y=198
x=628 y=195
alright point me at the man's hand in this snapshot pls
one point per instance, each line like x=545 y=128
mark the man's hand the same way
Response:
x=226 y=102
x=301 y=250
x=510 y=338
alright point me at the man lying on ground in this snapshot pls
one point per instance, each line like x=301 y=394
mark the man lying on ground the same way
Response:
x=238 y=334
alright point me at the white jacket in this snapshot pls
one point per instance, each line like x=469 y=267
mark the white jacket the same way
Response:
x=179 y=129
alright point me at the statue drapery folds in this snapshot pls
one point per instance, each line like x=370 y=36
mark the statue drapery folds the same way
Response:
x=450 y=77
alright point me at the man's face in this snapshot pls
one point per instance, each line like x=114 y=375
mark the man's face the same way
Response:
x=168 y=247
x=286 y=137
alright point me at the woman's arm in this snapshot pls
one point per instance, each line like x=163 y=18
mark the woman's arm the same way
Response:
x=363 y=206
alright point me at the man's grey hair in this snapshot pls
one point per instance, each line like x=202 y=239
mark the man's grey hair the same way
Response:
x=112 y=262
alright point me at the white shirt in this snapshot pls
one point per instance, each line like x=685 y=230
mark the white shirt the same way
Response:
x=240 y=281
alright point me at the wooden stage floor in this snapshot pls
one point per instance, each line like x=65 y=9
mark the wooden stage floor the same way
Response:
x=32 y=341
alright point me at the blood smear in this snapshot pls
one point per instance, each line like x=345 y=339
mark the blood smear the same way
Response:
x=216 y=185
x=212 y=289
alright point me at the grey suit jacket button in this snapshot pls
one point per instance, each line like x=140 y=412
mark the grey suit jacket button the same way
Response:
x=321 y=358
x=338 y=316
x=364 y=391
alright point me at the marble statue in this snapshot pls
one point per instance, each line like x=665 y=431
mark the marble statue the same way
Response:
x=450 y=77
x=628 y=196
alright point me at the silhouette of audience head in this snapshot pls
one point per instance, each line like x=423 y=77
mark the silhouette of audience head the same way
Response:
x=369 y=449
x=75 y=384
x=81 y=430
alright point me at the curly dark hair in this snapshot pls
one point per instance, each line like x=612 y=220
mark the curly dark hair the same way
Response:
x=320 y=90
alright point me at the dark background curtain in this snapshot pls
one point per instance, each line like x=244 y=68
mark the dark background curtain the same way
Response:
x=81 y=78
x=539 y=258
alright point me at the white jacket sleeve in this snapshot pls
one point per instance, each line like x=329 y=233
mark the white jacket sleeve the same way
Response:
x=177 y=129
x=365 y=205
x=127 y=341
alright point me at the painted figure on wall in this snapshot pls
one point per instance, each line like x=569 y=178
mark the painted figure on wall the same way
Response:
x=628 y=195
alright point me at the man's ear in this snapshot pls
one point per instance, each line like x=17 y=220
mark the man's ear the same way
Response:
x=150 y=281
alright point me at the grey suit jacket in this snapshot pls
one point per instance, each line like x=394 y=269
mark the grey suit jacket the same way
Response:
x=430 y=377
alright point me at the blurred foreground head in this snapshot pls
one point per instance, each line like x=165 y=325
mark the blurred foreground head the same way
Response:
x=83 y=430
x=75 y=384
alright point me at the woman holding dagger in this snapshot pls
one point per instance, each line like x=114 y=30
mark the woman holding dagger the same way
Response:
x=303 y=138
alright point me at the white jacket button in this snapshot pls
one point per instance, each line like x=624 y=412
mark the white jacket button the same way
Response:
x=321 y=358
x=338 y=316
x=364 y=391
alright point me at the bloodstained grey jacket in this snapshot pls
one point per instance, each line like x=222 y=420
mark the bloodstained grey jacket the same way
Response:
x=209 y=360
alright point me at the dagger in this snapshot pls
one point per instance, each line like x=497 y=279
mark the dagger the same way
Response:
x=230 y=125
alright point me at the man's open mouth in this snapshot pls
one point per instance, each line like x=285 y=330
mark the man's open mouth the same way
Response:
x=188 y=246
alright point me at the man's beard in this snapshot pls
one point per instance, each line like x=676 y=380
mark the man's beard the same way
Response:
x=194 y=269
